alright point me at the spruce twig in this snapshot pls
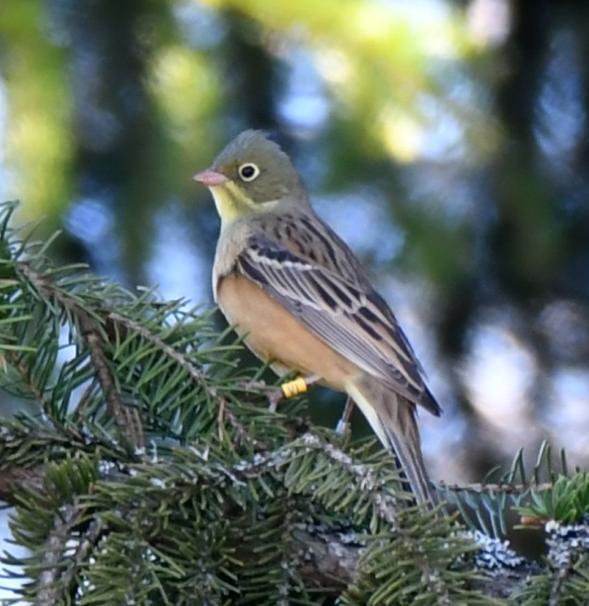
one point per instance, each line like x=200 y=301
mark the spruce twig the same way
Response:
x=91 y=329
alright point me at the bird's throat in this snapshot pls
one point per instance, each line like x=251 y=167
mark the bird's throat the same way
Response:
x=231 y=202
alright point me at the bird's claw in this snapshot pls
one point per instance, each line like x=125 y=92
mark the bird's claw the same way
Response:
x=274 y=398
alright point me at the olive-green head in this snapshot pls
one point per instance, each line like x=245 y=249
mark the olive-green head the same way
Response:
x=252 y=175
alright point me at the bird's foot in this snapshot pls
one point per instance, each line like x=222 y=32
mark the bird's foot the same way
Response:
x=343 y=424
x=274 y=397
x=290 y=389
x=273 y=394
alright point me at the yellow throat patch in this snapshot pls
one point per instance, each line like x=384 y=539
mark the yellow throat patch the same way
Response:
x=231 y=202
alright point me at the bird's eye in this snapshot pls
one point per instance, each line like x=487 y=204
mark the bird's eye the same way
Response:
x=248 y=172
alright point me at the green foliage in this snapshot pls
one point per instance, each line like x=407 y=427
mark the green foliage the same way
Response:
x=567 y=501
x=548 y=492
x=149 y=470
x=416 y=565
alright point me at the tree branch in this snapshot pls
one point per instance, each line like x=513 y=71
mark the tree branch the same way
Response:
x=16 y=479
x=50 y=590
x=330 y=558
x=506 y=488
x=196 y=374
x=127 y=420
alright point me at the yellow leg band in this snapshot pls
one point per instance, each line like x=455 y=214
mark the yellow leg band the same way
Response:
x=294 y=388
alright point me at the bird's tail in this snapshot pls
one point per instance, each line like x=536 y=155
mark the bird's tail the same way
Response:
x=393 y=419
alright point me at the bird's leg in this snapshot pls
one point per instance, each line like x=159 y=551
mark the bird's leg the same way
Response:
x=342 y=424
x=290 y=389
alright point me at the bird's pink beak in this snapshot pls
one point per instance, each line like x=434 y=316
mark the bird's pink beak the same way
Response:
x=210 y=178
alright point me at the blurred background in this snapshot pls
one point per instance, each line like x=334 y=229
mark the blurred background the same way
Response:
x=446 y=140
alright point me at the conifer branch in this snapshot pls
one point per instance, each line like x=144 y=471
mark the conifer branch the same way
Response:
x=126 y=419
x=230 y=503
x=196 y=374
x=501 y=488
x=50 y=590
x=329 y=558
x=15 y=360
x=567 y=546
x=387 y=504
x=65 y=554
x=16 y=480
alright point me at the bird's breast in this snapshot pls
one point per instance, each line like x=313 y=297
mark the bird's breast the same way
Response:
x=231 y=242
x=276 y=336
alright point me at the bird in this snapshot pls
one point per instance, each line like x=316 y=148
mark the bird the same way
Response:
x=295 y=292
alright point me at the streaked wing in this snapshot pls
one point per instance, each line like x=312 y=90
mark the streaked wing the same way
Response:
x=336 y=302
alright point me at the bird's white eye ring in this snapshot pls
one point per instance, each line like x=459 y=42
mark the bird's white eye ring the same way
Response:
x=248 y=171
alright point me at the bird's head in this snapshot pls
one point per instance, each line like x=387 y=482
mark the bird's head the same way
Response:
x=252 y=175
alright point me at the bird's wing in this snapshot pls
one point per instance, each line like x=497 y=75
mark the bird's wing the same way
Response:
x=336 y=302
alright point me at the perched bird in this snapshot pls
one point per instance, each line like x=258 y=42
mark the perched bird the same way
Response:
x=300 y=298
